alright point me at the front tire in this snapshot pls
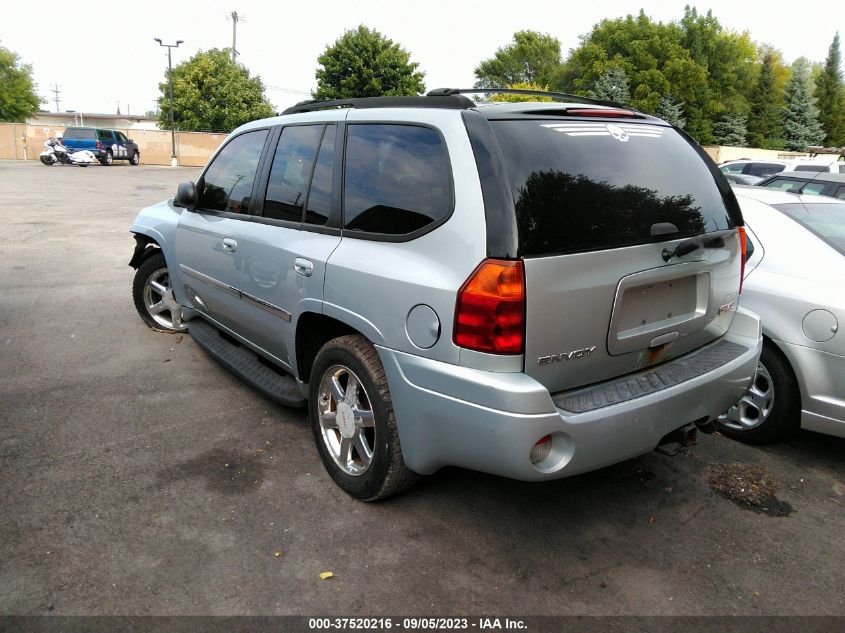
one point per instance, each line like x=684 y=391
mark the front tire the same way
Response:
x=353 y=421
x=107 y=160
x=771 y=408
x=152 y=293
x=46 y=160
x=135 y=160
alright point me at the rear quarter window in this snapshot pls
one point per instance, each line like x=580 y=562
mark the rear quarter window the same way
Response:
x=80 y=133
x=590 y=185
x=397 y=179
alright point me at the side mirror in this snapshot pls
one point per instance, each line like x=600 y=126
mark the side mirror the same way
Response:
x=186 y=195
x=130 y=140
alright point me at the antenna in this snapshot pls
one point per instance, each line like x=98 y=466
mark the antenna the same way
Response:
x=235 y=17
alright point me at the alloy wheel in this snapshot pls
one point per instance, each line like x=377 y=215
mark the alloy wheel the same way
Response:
x=160 y=302
x=347 y=422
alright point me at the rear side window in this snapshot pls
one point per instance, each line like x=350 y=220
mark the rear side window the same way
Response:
x=825 y=220
x=320 y=193
x=105 y=135
x=227 y=183
x=587 y=185
x=784 y=184
x=291 y=172
x=80 y=133
x=813 y=188
x=815 y=168
x=397 y=179
x=733 y=168
x=764 y=169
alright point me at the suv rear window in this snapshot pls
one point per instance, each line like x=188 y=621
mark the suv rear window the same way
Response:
x=589 y=185
x=80 y=132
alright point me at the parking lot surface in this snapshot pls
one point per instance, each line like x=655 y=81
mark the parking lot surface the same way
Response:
x=139 y=477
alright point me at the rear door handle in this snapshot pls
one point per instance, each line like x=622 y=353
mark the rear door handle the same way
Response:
x=303 y=266
x=230 y=245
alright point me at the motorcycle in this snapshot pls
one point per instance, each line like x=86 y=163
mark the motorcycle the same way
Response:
x=56 y=152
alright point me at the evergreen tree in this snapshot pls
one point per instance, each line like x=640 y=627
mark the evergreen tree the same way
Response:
x=764 y=128
x=801 y=126
x=830 y=97
x=612 y=86
x=730 y=130
x=364 y=63
x=671 y=110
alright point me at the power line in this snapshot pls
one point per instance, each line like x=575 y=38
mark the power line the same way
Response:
x=289 y=90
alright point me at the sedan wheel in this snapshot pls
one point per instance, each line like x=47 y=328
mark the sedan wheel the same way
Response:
x=755 y=407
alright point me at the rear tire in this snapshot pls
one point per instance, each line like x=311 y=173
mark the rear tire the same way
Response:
x=107 y=160
x=353 y=421
x=771 y=409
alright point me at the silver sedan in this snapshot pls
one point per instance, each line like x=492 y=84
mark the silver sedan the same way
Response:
x=795 y=281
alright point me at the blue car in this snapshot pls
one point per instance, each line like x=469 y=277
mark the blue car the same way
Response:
x=107 y=145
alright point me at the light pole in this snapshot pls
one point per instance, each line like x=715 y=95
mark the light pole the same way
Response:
x=170 y=78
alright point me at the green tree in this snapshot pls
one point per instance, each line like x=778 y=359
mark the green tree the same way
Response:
x=518 y=98
x=671 y=110
x=801 y=127
x=730 y=130
x=612 y=86
x=830 y=96
x=18 y=99
x=532 y=57
x=364 y=63
x=765 y=125
x=212 y=93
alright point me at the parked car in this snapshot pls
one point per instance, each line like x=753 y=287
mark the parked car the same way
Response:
x=533 y=290
x=755 y=168
x=107 y=145
x=794 y=281
x=820 y=163
x=815 y=184
x=742 y=179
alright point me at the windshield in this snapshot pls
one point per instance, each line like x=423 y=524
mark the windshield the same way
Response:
x=825 y=220
x=80 y=132
x=590 y=185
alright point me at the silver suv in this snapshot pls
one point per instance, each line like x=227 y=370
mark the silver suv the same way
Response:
x=533 y=290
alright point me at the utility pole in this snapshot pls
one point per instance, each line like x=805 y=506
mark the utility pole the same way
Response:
x=55 y=90
x=173 y=161
x=235 y=17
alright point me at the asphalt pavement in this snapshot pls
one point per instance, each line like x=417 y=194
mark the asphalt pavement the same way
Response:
x=139 y=477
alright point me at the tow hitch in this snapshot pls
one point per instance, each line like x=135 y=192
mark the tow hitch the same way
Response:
x=681 y=438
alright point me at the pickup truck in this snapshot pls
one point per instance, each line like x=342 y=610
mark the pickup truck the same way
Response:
x=107 y=145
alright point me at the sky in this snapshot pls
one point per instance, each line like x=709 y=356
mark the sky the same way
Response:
x=102 y=54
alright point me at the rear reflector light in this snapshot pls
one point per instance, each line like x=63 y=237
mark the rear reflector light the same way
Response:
x=541 y=450
x=742 y=247
x=604 y=112
x=490 y=311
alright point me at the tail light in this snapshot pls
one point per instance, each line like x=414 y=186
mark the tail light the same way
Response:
x=742 y=247
x=100 y=145
x=603 y=112
x=490 y=312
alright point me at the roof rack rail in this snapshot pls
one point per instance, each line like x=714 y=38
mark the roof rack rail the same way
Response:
x=454 y=102
x=438 y=92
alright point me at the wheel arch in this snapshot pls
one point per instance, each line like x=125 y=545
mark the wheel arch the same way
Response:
x=313 y=330
x=145 y=247
x=789 y=362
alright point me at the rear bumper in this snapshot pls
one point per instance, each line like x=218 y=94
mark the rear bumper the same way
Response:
x=457 y=416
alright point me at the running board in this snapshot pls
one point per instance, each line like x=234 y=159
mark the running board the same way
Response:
x=243 y=362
